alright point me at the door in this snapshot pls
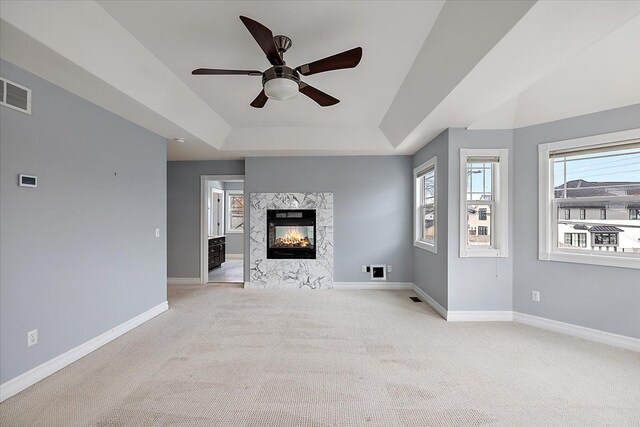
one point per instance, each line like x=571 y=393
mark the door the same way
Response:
x=217 y=213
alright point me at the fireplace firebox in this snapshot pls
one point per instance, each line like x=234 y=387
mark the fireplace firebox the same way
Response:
x=292 y=234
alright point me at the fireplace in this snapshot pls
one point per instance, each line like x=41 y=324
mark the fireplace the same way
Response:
x=291 y=234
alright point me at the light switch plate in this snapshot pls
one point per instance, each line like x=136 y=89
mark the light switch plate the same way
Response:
x=157 y=232
x=535 y=296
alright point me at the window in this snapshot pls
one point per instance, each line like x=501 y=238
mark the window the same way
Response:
x=599 y=176
x=575 y=239
x=235 y=211
x=605 y=238
x=483 y=202
x=567 y=214
x=425 y=179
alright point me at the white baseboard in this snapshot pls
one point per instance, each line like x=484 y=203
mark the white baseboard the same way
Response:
x=602 y=337
x=234 y=256
x=42 y=371
x=433 y=303
x=372 y=285
x=183 y=281
x=355 y=285
x=479 y=316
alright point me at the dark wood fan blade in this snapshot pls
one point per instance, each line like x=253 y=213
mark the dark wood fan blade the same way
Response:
x=347 y=59
x=264 y=37
x=260 y=100
x=217 y=72
x=323 y=99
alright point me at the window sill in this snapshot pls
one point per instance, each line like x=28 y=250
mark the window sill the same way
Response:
x=234 y=232
x=593 y=259
x=482 y=253
x=426 y=246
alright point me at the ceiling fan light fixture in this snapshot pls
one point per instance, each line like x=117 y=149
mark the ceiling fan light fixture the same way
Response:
x=281 y=88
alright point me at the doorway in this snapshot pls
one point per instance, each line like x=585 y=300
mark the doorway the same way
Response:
x=222 y=229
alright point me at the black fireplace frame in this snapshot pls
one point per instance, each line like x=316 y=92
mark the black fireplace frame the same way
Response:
x=291 y=217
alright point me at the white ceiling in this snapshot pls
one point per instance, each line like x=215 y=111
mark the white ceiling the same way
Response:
x=188 y=35
x=426 y=66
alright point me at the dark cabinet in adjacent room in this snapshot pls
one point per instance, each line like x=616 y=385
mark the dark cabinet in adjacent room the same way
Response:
x=216 y=252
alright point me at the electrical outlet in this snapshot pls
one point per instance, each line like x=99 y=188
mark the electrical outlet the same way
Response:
x=32 y=337
x=535 y=296
x=157 y=232
x=364 y=268
x=388 y=269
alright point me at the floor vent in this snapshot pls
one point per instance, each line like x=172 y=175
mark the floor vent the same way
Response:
x=415 y=299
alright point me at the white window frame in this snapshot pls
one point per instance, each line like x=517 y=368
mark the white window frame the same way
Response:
x=417 y=217
x=500 y=213
x=547 y=228
x=227 y=212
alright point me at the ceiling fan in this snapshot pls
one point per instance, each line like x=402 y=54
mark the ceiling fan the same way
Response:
x=281 y=82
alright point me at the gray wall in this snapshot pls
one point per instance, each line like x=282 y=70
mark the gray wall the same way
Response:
x=372 y=206
x=477 y=283
x=183 y=211
x=78 y=254
x=430 y=271
x=234 y=241
x=604 y=298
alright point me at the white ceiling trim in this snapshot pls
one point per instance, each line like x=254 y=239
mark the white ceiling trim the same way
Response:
x=87 y=36
x=362 y=139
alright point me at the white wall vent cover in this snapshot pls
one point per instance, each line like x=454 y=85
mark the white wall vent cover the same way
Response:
x=14 y=96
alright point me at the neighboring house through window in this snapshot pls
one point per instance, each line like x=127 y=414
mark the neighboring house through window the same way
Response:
x=600 y=177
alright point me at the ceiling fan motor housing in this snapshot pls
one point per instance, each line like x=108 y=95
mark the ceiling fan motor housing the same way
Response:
x=283 y=43
x=280 y=71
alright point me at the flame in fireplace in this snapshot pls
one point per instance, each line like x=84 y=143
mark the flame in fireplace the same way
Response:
x=293 y=238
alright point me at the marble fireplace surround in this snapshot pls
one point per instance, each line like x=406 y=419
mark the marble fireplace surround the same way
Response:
x=290 y=273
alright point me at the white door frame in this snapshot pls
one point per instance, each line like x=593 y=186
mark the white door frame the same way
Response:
x=204 y=222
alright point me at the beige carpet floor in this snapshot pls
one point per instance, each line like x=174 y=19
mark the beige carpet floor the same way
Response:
x=223 y=356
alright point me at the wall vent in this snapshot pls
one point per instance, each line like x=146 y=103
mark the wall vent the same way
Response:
x=14 y=96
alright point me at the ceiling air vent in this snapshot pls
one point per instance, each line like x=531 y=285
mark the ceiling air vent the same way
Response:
x=14 y=96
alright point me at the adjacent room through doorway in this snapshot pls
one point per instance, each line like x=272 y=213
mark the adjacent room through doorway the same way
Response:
x=222 y=229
